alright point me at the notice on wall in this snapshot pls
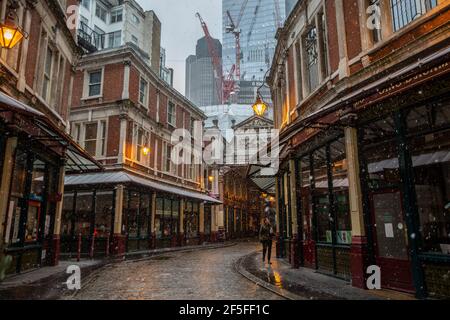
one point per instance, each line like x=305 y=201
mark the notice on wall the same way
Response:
x=389 y=230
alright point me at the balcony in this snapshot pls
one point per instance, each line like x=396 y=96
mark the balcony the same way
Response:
x=92 y=41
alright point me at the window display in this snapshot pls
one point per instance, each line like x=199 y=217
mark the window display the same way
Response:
x=103 y=213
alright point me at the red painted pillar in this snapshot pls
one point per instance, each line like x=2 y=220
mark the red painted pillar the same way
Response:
x=359 y=261
x=56 y=250
x=181 y=239
x=295 y=252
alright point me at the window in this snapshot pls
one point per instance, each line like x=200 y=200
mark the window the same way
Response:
x=115 y=39
x=90 y=138
x=135 y=19
x=76 y=131
x=102 y=138
x=405 y=11
x=140 y=145
x=171 y=119
x=312 y=55
x=84 y=22
x=143 y=90
x=95 y=83
x=168 y=157
x=99 y=38
x=100 y=12
x=47 y=75
x=135 y=40
x=86 y=4
x=116 y=16
x=323 y=45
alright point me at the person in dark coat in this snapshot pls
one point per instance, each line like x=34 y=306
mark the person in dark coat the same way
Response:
x=265 y=237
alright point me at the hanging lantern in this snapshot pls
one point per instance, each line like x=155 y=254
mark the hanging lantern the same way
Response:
x=10 y=33
x=259 y=107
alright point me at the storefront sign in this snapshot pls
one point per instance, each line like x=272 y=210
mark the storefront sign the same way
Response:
x=400 y=86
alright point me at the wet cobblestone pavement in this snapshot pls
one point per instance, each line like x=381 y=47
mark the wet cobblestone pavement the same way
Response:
x=202 y=274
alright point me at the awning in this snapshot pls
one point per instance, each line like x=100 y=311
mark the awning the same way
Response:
x=118 y=177
x=46 y=132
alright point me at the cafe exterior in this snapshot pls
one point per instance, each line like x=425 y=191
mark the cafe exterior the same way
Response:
x=365 y=178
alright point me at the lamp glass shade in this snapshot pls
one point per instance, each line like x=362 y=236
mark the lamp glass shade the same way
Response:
x=259 y=107
x=145 y=151
x=10 y=35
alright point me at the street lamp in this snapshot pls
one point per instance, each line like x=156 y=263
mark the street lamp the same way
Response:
x=145 y=151
x=211 y=178
x=10 y=33
x=259 y=107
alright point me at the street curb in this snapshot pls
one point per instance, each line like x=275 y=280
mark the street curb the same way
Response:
x=281 y=292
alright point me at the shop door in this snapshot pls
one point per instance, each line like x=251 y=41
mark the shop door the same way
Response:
x=391 y=245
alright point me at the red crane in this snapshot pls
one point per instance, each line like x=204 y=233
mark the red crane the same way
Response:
x=217 y=64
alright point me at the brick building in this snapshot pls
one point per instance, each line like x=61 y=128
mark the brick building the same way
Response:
x=364 y=119
x=35 y=148
x=124 y=114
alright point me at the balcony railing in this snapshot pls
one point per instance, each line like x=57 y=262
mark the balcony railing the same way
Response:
x=93 y=41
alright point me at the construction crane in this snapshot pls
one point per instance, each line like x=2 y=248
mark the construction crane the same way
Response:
x=234 y=29
x=217 y=65
x=252 y=25
x=277 y=14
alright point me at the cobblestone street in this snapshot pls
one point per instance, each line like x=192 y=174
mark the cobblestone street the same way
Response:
x=201 y=274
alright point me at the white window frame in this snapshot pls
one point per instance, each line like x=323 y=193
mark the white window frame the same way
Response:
x=174 y=114
x=115 y=14
x=47 y=78
x=87 y=83
x=98 y=5
x=112 y=37
x=145 y=94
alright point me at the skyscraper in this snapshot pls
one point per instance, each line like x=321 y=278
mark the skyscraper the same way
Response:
x=258 y=24
x=290 y=4
x=200 y=81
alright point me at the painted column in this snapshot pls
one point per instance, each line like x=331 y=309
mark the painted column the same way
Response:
x=7 y=171
x=181 y=229
x=56 y=245
x=295 y=252
x=201 y=224
x=118 y=247
x=358 y=254
x=123 y=139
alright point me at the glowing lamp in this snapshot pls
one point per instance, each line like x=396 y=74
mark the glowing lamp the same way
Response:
x=259 y=107
x=10 y=33
x=211 y=178
x=145 y=151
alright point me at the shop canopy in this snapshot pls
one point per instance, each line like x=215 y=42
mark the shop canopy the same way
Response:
x=45 y=131
x=121 y=177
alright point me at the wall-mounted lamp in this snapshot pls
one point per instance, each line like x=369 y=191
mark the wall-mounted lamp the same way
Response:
x=10 y=32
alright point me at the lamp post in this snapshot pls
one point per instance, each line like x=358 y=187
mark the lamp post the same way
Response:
x=10 y=32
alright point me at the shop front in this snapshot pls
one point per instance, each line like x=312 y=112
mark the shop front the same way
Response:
x=114 y=213
x=35 y=155
x=368 y=183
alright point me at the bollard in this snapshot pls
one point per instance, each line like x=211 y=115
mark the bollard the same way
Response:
x=79 y=248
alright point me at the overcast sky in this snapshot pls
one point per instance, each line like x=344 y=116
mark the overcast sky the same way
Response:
x=181 y=29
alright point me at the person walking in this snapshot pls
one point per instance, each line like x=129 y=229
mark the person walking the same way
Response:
x=265 y=237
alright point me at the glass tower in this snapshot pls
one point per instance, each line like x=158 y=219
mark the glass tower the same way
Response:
x=258 y=25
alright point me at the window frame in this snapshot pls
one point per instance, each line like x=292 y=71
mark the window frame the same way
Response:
x=172 y=115
x=88 y=84
x=105 y=11
x=144 y=95
x=116 y=13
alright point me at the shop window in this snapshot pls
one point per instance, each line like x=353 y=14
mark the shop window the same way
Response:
x=430 y=153
x=103 y=213
x=145 y=215
x=67 y=214
x=167 y=220
x=132 y=213
x=191 y=217
x=321 y=196
x=84 y=214
x=158 y=217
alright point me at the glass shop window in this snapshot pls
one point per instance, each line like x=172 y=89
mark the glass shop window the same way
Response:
x=103 y=213
x=133 y=211
x=158 y=217
x=321 y=196
x=431 y=166
x=167 y=221
x=192 y=219
x=67 y=215
x=17 y=197
x=305 y=196
x=144 y=215
x=84 y=214
x=340 y=192
x=175 y=215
